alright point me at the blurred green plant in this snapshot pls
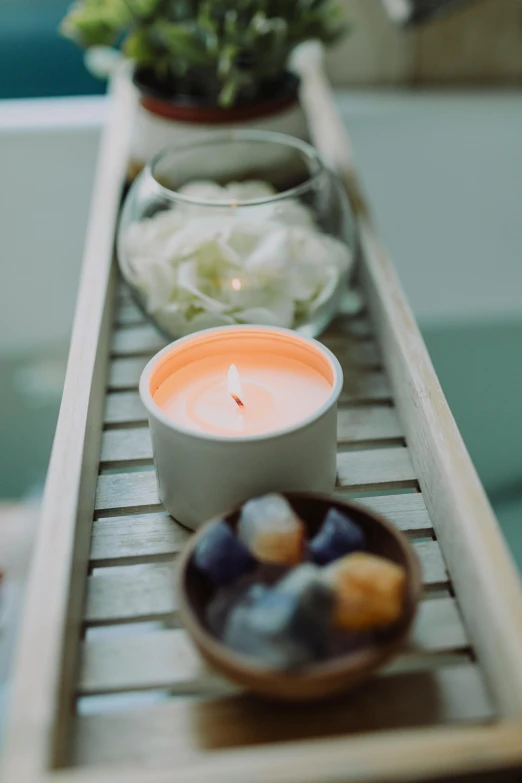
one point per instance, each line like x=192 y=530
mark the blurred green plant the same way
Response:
x=224 y=50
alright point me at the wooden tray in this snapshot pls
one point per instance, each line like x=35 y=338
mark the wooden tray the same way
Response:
x=107 y=686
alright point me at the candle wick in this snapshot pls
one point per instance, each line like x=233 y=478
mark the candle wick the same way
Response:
x=234 y=386
x=239 y=403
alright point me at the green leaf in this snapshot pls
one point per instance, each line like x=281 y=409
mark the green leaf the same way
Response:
x=226 y=61
x=95 y=22
x=143 y=8
x=181 y=42
x=140 y=48
x=87 y=30
x=228 y=93
x=226 y=50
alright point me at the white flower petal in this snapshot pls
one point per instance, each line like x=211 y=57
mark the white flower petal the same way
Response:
x=243 y=234
x=228 y=254
x=209 y=320
x=264 y=264
x=292 y=213
x=338 y=252
x=250 y=190
x=270 y=258
x=170 y=318
x=188 y=282
x=328 y=291
x=156 y=282
x=204 y=189
x=240 y=290
x=278 y=313
x=192 y=235
x=163 y=223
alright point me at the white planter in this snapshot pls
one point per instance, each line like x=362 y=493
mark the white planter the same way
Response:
x=153 y=133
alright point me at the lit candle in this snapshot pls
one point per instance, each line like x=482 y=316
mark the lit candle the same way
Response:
x=237 y=411
x=269 y=394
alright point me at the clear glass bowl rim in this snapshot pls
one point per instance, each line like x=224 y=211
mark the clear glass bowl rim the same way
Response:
x=231 y=136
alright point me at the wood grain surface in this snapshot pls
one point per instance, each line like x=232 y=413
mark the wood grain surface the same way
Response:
x=146 y=592
x=155 y=536
x=180 y=730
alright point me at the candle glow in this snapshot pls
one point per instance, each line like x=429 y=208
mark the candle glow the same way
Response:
x=234 y=386
x=243 y=390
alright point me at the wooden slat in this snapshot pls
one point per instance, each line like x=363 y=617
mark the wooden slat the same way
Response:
x=125 y=407
x=438 y=627
x=358 y=326
x=128 y=314
x=179 y=730
x=167 y=659
x=358 y=471
x=117 y=540
x=407 y=511
x=359 y=359
x=354 y=425
x=147 y=661
x=368 y=425
x=364 y=387
x=123 y=492
x=138 y=538
x=119 y=590
x=362 y=471
x=124 y=374
x=138 y=340
x=145 y=340
x=470 y=750
x=123 y=292
x=126 y=446
x=144 y=592
x=354 y=353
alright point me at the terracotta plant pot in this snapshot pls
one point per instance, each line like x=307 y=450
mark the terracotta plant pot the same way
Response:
x=162 y=120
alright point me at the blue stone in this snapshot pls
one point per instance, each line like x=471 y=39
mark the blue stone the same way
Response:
x=225 y=599
x=222 y=556
x=338 y=536
x=282 y=628
x=313 y=620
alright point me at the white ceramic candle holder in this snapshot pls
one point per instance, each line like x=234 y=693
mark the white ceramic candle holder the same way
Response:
x=216 y=455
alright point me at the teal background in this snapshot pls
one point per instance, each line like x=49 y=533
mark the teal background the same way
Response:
x=27 y=424
x=480 y=369
x=35 y=61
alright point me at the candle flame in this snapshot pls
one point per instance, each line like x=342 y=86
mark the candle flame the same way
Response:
x=234 y=386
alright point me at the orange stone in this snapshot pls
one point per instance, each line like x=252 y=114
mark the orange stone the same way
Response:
x=284 y=548
x=369 y=591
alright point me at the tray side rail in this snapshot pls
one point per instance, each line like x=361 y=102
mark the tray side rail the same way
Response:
x=485 y=577
x=42 y=695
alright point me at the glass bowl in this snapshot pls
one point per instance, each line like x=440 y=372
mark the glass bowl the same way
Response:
x=241 y=227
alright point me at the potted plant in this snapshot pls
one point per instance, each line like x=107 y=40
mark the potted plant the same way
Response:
x=202 y=63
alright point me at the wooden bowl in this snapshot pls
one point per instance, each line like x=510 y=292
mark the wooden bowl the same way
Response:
x=333 y=674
